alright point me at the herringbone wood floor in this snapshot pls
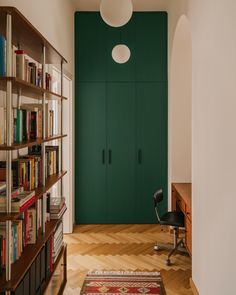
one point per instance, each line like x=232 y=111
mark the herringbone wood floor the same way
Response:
x=124 y=247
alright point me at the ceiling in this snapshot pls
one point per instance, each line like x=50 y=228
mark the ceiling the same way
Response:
x=139 y=5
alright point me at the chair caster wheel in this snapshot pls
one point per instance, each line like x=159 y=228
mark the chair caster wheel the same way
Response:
x=168 y=263
x=156 y=248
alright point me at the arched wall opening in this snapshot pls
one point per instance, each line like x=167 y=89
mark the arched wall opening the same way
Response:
x=180 y=104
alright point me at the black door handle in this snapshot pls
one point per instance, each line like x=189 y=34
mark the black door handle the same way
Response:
x=103 y=157
x=109 y=157
x=140 y=156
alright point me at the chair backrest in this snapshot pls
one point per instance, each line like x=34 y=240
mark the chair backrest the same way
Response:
x=157 y=198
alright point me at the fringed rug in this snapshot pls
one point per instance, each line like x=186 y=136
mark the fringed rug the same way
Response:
x=123 y=282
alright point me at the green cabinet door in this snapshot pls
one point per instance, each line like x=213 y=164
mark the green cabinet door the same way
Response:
x=151 y=99
x=90 y=167
x=121 y=152
x=91 y=51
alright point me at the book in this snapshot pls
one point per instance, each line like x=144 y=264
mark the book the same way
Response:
x=3 y=186
x=32 y=227
x=59 y=214
x=2 y=125
x=2 y=56
x=19 y=203
x=19 y=123
x=56 y=203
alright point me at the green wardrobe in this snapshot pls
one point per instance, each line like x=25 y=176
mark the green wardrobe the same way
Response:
x=121 y=119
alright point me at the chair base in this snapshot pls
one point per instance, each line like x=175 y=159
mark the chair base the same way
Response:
x=173 y=248
x=169 y=247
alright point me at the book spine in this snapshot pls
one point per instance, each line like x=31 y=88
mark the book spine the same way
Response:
x=2 y=56
x=19 y=126
x=2 y=125
x=20 y=64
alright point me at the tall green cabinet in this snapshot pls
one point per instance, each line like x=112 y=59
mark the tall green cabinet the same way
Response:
x=120 y=119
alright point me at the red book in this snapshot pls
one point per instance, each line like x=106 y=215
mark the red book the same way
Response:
x=33 y=125
x=27 y=204
x=51 y=249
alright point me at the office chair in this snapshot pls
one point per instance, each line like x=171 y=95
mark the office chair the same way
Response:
x=171 y=218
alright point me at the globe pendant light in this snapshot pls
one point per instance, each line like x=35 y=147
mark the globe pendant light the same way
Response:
x=121 y=53
x=116 y=13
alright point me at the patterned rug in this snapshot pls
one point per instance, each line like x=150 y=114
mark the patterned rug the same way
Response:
x=123 y=282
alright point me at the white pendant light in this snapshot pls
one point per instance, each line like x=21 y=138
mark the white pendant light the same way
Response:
x=116 y=13
x=121 y=53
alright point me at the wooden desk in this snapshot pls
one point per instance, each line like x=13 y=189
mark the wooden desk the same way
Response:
x=181 y=201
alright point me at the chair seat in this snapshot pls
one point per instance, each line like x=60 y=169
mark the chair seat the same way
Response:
x=173 y=219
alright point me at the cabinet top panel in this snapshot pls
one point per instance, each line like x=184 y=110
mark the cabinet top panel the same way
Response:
x=25 y=35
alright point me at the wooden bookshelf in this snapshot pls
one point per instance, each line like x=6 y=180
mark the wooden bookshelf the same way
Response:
x=51 y=180
x=28 y=89
x=29 y=38
x=62 y=253
x=24 y=144
x=19 y=32
x=21 y=266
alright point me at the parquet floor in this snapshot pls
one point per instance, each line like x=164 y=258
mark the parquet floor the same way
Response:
x=124 y=247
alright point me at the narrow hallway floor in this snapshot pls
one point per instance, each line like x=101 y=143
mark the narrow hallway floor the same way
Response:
x=124 y=247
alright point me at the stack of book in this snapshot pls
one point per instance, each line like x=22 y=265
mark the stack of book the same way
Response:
x=26 y=172
x=57 y=207
x=57 y=241
x=23 y=232
x=30 y=171
x=20 y=202
x=27 y=123
x=52 y=160
x=29 y=70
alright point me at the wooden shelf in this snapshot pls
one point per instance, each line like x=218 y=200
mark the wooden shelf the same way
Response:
x=51 y=180
x=20 y=267
x=12 y=216
x=29 y=38
x=24 y=144
x=28 y=89
x=63 y=249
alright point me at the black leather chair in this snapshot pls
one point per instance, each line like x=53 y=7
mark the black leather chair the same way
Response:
x=171 y=218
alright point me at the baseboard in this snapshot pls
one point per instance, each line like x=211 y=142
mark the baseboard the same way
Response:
x=193 y=287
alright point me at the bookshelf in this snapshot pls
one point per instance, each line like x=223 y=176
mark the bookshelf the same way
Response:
x=24 y=274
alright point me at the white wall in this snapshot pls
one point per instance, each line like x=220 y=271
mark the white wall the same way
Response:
x=180 y=100
x=55 y=21
x=138 y=5
x=212 y=24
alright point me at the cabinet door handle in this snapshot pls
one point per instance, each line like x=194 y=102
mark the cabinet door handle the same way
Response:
x=140 y=156
x=109 y=157
x=103 y=157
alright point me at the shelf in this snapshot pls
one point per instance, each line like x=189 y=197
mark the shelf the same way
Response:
x=51 y=180
x=20 y=267
x=12 y=216
x=24 y=144
x=28 y=89
x=29 y=38
x=62 y=253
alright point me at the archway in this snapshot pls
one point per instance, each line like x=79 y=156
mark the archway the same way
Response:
x=180 y=94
